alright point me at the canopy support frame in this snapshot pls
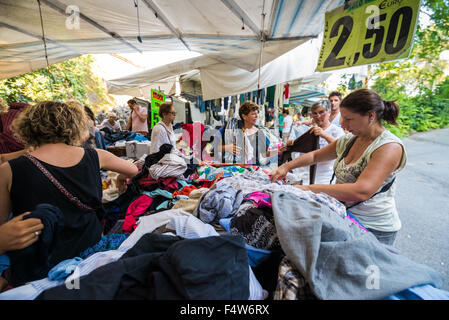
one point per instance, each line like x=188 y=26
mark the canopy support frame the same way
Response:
x=159 y=14
x=57 y=6
x=237 y=11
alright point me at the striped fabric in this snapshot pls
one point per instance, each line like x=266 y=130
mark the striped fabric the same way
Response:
x=307 y=95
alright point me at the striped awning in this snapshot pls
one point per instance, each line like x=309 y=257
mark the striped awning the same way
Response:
x=307 y=95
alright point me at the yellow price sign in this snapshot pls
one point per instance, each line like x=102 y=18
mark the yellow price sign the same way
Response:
x=368 y=31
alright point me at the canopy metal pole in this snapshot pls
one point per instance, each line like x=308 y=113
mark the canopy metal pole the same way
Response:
x=58 y=6
x=45 y=44
x=260 y=55
x=236 y=10
x=261 y=45
x=159 y=14
x=43 y=33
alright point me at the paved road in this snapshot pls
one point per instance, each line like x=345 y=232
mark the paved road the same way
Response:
x=422 y=199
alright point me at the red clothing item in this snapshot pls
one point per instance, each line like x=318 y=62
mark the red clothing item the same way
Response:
x=136 y=209
x=193 y=135
x=8 y=143
x=204 y=183
x=170 y=183
x=286 y=91
x=184 y=191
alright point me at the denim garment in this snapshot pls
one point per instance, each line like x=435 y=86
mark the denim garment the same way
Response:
x=4 y=262
x=108 y=242
x=99 y=140
x=219 y=202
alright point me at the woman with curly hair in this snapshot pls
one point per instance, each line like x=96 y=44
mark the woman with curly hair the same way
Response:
x=55 y=131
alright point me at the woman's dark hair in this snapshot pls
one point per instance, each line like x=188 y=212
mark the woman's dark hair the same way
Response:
x=165 y=108
x=363 y=100
x=89 y=113
x=335 y=94
x=132 y=101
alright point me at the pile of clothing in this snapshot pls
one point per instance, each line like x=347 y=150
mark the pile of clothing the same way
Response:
x=111 y=138
x=228 y=232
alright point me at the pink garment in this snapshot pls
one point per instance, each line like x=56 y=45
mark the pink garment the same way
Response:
x=136 y=209
x=137 y=124
x=260 y=199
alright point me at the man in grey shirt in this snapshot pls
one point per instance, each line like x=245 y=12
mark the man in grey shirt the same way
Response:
x=111 y=123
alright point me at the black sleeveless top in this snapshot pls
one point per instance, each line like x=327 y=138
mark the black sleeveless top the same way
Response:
x=31 y=187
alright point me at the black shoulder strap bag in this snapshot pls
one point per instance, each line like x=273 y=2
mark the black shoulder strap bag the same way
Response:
x=385 y=188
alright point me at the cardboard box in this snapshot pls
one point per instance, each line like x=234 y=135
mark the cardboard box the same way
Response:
x=136 y=149
x=118 y=151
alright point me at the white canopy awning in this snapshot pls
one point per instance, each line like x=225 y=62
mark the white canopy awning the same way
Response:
x=229 y=31
x=220 y=79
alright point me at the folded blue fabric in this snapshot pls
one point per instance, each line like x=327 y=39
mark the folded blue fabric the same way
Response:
x=63 y=269
x=140 y=137
x=183 y=183
x=158 y=192
x=421 y=292
x=108 y=242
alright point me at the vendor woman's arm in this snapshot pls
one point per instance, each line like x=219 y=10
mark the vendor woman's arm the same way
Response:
x=383 y=162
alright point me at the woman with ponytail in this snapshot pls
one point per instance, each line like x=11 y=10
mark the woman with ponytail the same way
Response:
x=367 y=161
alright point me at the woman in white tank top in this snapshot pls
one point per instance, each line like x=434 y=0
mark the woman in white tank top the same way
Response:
x=366 y=171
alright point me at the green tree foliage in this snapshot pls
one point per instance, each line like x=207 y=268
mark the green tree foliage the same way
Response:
x=71 y=79
x=419 y=84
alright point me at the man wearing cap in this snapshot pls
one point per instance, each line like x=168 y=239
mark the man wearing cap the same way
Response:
x=111 y=123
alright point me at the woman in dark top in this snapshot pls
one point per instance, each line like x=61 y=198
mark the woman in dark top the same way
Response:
x=55 y=130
